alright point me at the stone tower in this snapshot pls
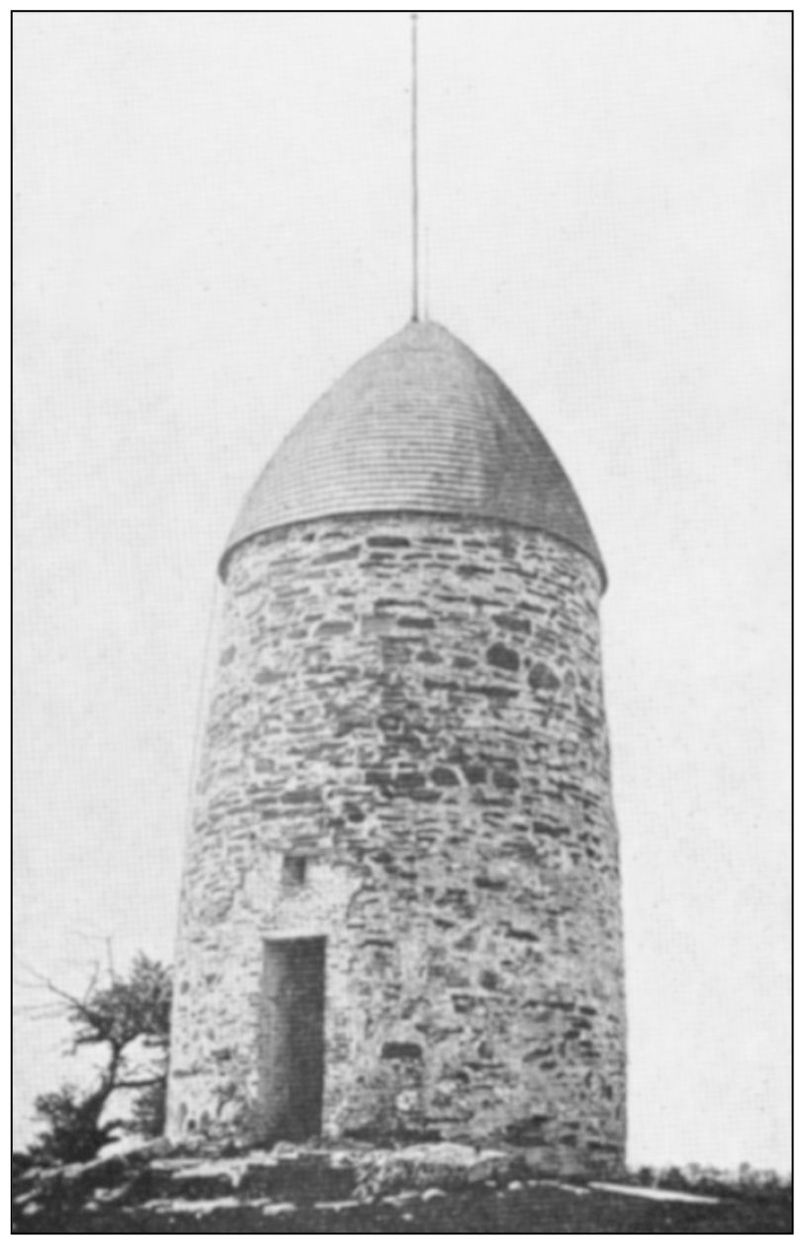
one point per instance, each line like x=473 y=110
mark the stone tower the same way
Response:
x=401 y=905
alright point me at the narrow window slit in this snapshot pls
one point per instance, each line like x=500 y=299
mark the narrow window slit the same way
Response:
x=294 y=870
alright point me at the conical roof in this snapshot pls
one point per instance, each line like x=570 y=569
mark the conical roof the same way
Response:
x=420 y=424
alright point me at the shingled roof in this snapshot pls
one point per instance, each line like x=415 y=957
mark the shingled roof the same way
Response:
x=421 y=425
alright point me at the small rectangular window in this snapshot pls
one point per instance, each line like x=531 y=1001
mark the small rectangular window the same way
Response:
x=294 y=870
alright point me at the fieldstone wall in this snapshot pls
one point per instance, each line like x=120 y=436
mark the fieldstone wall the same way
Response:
x=413 y=706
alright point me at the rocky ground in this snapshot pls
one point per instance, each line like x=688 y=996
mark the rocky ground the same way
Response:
x=416 y=1189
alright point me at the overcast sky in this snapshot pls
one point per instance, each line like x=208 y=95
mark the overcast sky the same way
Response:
x=211 y=225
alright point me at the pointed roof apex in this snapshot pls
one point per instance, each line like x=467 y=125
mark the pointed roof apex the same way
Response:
x=421 y=425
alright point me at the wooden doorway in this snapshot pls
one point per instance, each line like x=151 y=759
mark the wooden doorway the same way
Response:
x=292 y=1038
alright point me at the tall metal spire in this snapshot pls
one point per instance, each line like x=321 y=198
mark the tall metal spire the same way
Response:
x=414 y=136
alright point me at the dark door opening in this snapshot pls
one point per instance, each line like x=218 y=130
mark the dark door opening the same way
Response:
x=292 y=1043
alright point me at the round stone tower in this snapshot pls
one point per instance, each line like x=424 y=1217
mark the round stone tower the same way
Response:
x=401 y=907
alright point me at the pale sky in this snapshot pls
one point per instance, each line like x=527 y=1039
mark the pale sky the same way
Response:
x=211 y=225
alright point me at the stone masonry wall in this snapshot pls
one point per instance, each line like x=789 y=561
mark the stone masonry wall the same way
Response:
x=413 y=705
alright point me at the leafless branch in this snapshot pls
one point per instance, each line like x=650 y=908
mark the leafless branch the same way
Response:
x=133 y=1084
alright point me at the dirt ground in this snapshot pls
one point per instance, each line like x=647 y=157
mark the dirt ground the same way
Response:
x=532 y=1206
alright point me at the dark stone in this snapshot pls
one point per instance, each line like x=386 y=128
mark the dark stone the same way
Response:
x=490 y=883
x=227 y=655
x=300 y=796
x=434 y=684
x=529 y=1131
x=552 y=831
x=326 y=629
x=504 y=781
x=423 y=624
x=408 y=781
x=534 y=1056
x=402 y=1049
x=267 y=676
x=444 y=777
x=502 y=693
x=542 y=678
x=503 y=658
x=388 y=542
x=489 y=980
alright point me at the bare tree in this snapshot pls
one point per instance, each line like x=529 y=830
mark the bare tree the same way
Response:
x=128 y=1016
